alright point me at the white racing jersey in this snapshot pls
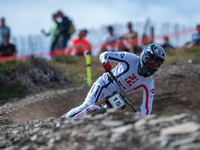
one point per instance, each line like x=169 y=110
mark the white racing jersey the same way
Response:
x=127 y=74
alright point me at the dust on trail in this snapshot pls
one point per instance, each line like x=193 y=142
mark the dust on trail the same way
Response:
x=176 y=91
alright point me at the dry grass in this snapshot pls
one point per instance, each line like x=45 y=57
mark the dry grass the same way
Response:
x=173 y=56
x=76 y=72
x=74 y=68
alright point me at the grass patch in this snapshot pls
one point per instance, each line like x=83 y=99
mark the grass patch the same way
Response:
x=10 y=91
x=193 y=51
x=74 y=68
x=169 y=115
x=11 y=87
x=17 y=77
x=9 y=65
x=66 y=59
x=175 y=55
x=170 y=52
x=75 y=71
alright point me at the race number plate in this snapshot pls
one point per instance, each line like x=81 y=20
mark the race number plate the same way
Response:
x=116 y=101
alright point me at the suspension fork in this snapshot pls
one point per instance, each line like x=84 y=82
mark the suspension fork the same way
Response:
x=121 y=91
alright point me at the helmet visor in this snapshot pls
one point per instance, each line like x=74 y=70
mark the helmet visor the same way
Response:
x=151 y=63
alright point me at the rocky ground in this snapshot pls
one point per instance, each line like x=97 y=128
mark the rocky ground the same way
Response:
x=33 y=122
x=113 y=130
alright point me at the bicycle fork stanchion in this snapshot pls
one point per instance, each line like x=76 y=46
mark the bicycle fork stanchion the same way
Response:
x=115 y=79
x=121 y=92
x=130 y=104
x=88 y=68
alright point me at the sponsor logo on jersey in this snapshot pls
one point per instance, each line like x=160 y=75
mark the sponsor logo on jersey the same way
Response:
x=106 y=56
x=96 y=92
x=131 y=80
x=116 y=54
x=88 y=110
x=122 y=55
x=92 y=88
x=152 y=91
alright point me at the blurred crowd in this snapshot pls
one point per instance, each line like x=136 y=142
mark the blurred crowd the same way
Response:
x=60 y=32
x=195 y=39
x=6 y=48
x=63 y=28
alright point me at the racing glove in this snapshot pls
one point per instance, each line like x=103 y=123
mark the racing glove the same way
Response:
x=107 y=67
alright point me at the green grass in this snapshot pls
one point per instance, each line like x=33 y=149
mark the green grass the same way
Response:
x=171 y=52
x=9 y=91
x=169 y=115
x=66 y=59
x=174 y=55
x=13 y=89
x=8 y=66
x=74 y=68
x=193 y=51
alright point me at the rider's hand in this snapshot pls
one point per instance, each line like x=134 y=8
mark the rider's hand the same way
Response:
x=107 y=67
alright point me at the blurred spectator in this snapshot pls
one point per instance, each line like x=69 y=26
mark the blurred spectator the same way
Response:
x=195 y=39
x=62 y=31
x=85 y=32
x=3 y=30
x=145 y=40
x=129 y=41
x=79 y=45
x=7 y=49
x=166 y=44
x=109 y=40
x=196 y=36
x=52 y=33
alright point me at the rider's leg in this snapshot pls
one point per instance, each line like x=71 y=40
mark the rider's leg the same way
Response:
x=147 y=103
x=76 y=110
x=96 y=93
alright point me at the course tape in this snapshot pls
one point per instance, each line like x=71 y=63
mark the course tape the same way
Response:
x=65 y=51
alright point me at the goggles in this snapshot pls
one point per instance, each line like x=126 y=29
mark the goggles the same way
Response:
x=151 y=63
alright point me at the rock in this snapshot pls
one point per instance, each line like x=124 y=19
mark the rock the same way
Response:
x=113 y=124
x=180 y=142
x=184 y=128
x=139 y=125
x=108 y=131
x=122 y=129
x=193 y=146
x=168 y=119
x=33 y=138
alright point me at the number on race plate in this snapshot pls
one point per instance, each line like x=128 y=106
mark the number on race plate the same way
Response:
x=116 y=101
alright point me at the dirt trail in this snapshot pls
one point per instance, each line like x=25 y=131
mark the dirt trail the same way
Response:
x=176 y=91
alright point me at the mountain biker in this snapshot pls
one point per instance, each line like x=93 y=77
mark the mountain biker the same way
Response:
x=133 y=73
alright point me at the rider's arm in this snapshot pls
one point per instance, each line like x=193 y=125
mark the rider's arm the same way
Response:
x=116 y=57
x=148 y=95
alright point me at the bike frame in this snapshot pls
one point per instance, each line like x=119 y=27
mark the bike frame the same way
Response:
x=98 y=105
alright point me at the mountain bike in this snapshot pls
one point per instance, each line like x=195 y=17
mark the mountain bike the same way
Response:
x=116 y=100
